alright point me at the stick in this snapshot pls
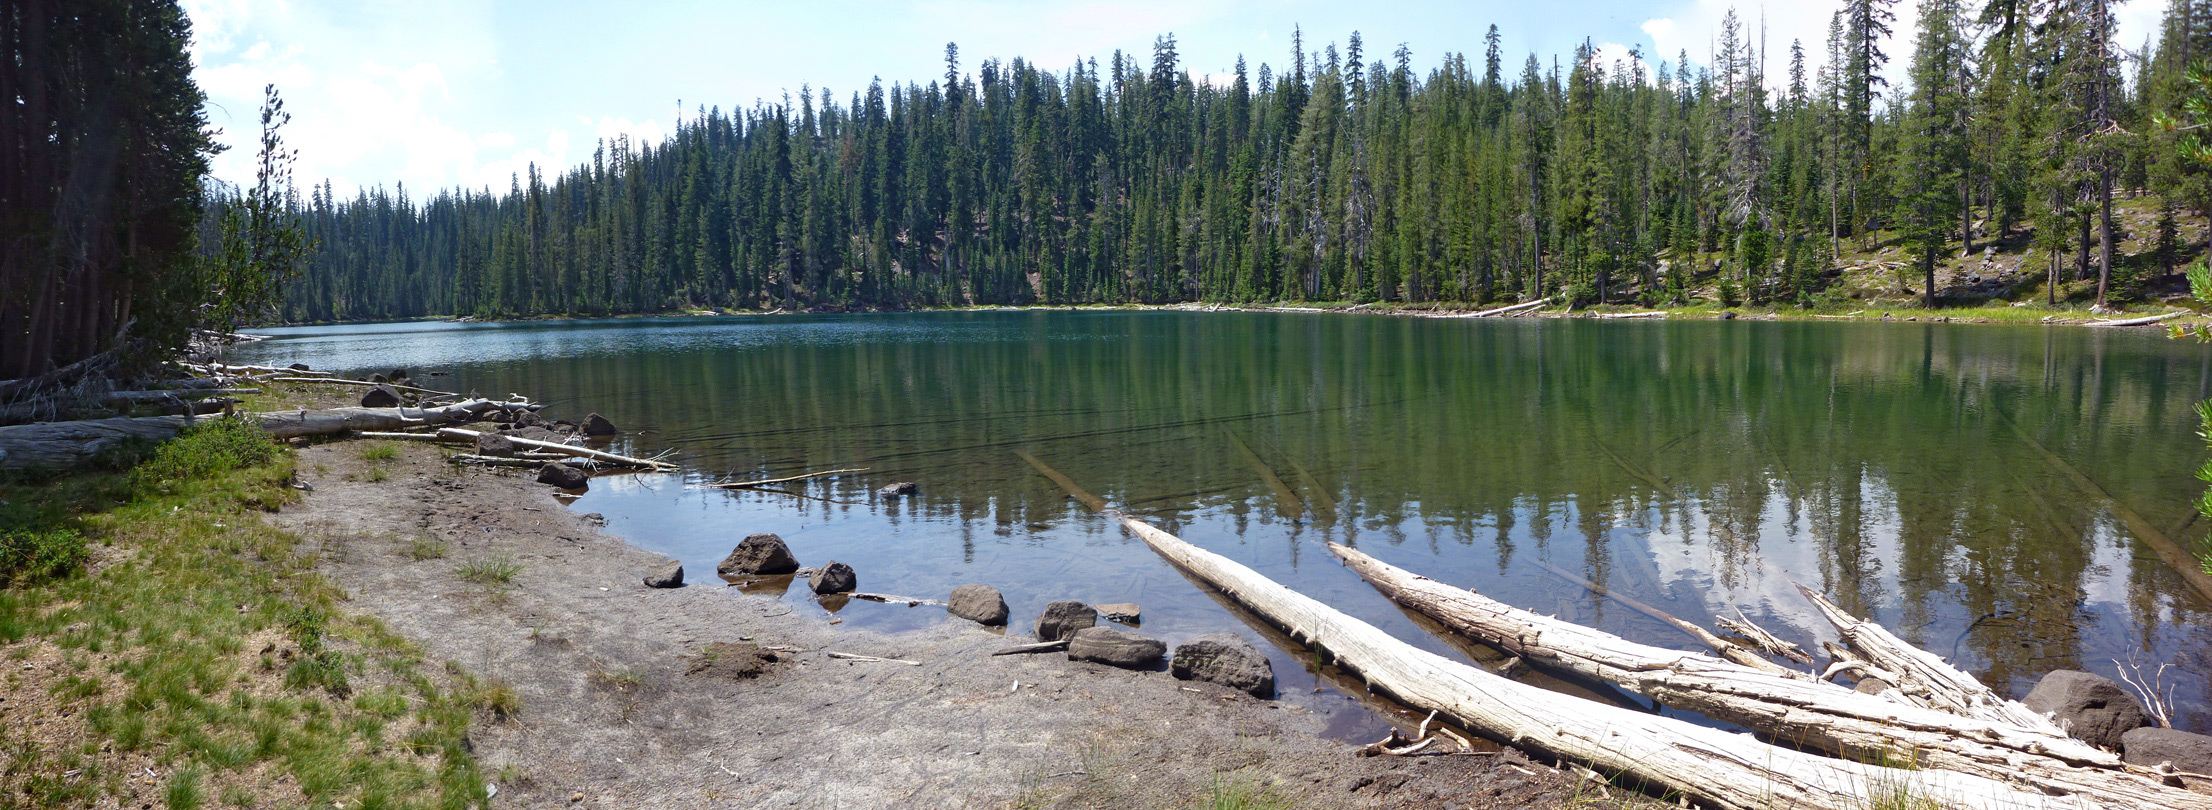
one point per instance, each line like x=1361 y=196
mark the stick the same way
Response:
x=787 y=479
x=851 y=657
x=566 y=450
x=909 y=601
x=1039 y=647
x=1724 y=647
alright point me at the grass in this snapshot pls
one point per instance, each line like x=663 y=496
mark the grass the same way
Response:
x=1239 y=794
x=425 y=549
x=494 y=570
x=206 y=646
x=378 y=451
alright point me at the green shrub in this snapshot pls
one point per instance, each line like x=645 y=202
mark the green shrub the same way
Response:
x=204 y=449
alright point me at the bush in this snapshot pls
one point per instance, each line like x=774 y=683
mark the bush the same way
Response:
x=34 y=554
x=204 y=449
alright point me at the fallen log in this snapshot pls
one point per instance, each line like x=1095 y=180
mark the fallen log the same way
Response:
x=566 y=450
x=61 y=445
x=1726 y=649
x=1324 y=504
x=785 y=480
x=1921 y=678
x=2138 y=321
x=405 y=437
x=1089 y=501
x=1811 y=714
x=1704 y=764
x=1507 y=310
x=1615 y=315
x=339 y=381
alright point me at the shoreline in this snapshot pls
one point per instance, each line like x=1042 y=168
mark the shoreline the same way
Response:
x=609 y=671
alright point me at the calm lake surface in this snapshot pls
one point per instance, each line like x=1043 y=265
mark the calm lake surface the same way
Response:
x=1701 y=466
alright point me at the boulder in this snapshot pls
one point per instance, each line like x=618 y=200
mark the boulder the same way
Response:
x=898 y=490
x=668 y=575
x=1112 y=647
x=1123 y=612
x=596 y=425
x=380 y=396
x=493 y=444
x=834 y=577
x=1063 y=618
x=761 y=553
x=981 y=604
x=563 y=476
x=2093 y=708
x=1226 y=659
x=525 y=417
x=2150 y=746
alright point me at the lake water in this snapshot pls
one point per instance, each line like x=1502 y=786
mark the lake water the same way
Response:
x=1701 y=466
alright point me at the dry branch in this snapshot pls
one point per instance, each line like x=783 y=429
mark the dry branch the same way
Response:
x=1727 y=649
x=1921 y=677
x=567 y=450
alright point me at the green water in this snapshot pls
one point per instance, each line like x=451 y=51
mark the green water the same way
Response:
x=1702 y=466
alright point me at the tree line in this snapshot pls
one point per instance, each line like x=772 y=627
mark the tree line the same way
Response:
x=1341 y=176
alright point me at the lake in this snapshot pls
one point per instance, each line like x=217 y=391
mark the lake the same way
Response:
x=1701 y=466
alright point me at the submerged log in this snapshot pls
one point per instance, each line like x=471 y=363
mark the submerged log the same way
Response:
x=784 y=480
x=1284 y=498
x=1725 y=769
x=61 y=445
x=1812 y=714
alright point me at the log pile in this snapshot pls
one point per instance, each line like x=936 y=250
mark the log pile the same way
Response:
x=1937 y=739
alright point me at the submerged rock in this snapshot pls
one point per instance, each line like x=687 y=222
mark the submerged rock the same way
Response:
x=834 y=577
x=668 y=575
x=1226 y=659
x=981 y=604
x=761 y=553
x=1061 y=619
x=563 y=476
x=2093 y=708
x=901 y=489
x=1112 y=647
x=596 y=425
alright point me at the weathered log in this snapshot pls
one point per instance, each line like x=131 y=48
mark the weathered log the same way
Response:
x=1922 y=678
x=405 y=437
x=1810 y=714
x=2138 y=321
x=1704 y=764
x=1768 y=643
x=1615 y=315
x=61 y=445
x=1506 y=310
x=339 y=381
x=567 y=450
x=1725 y=648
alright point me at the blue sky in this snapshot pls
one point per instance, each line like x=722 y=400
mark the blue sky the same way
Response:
x=444 y=93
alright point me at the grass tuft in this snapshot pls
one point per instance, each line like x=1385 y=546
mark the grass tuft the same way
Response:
x=495 y=570
x=423 y=549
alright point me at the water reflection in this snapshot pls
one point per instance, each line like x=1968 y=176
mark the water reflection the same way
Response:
x=1700 y=466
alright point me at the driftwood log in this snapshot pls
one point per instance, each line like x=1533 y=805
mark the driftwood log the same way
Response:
x=1810 y=714
x=564 y=449
x=61 y=445
x=1920 y=677
x=1725 y=769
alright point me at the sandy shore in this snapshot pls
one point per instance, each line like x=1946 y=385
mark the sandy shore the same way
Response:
x=613 y=714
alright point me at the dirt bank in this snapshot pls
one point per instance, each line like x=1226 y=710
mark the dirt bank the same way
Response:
x=612 y=714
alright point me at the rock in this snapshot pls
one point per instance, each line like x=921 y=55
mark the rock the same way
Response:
x=596 y=425
x=1123 y=612
x=2150 y=746
x=1063 y=618
x=834 y=577
x=1728 y=315
x=377 y=378
x=494 y=444
x=564 y=427
x=981 y=604
x=563 y=476
x=397 y=375
x=299 y=367
x=525 y=417
x=381 y=396
x=898 y=490
x=1112 y=647
x=761 y=553
x=2092 y=708
x=536 y=433
x=1226 y=659
x=734 y=660
x=594 y=518
x=669 y=575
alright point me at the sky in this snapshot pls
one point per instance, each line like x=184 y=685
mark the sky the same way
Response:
x=437 y=94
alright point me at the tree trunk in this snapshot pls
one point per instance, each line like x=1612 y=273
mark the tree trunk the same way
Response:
x=1808 y=713
x=2104 y=231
